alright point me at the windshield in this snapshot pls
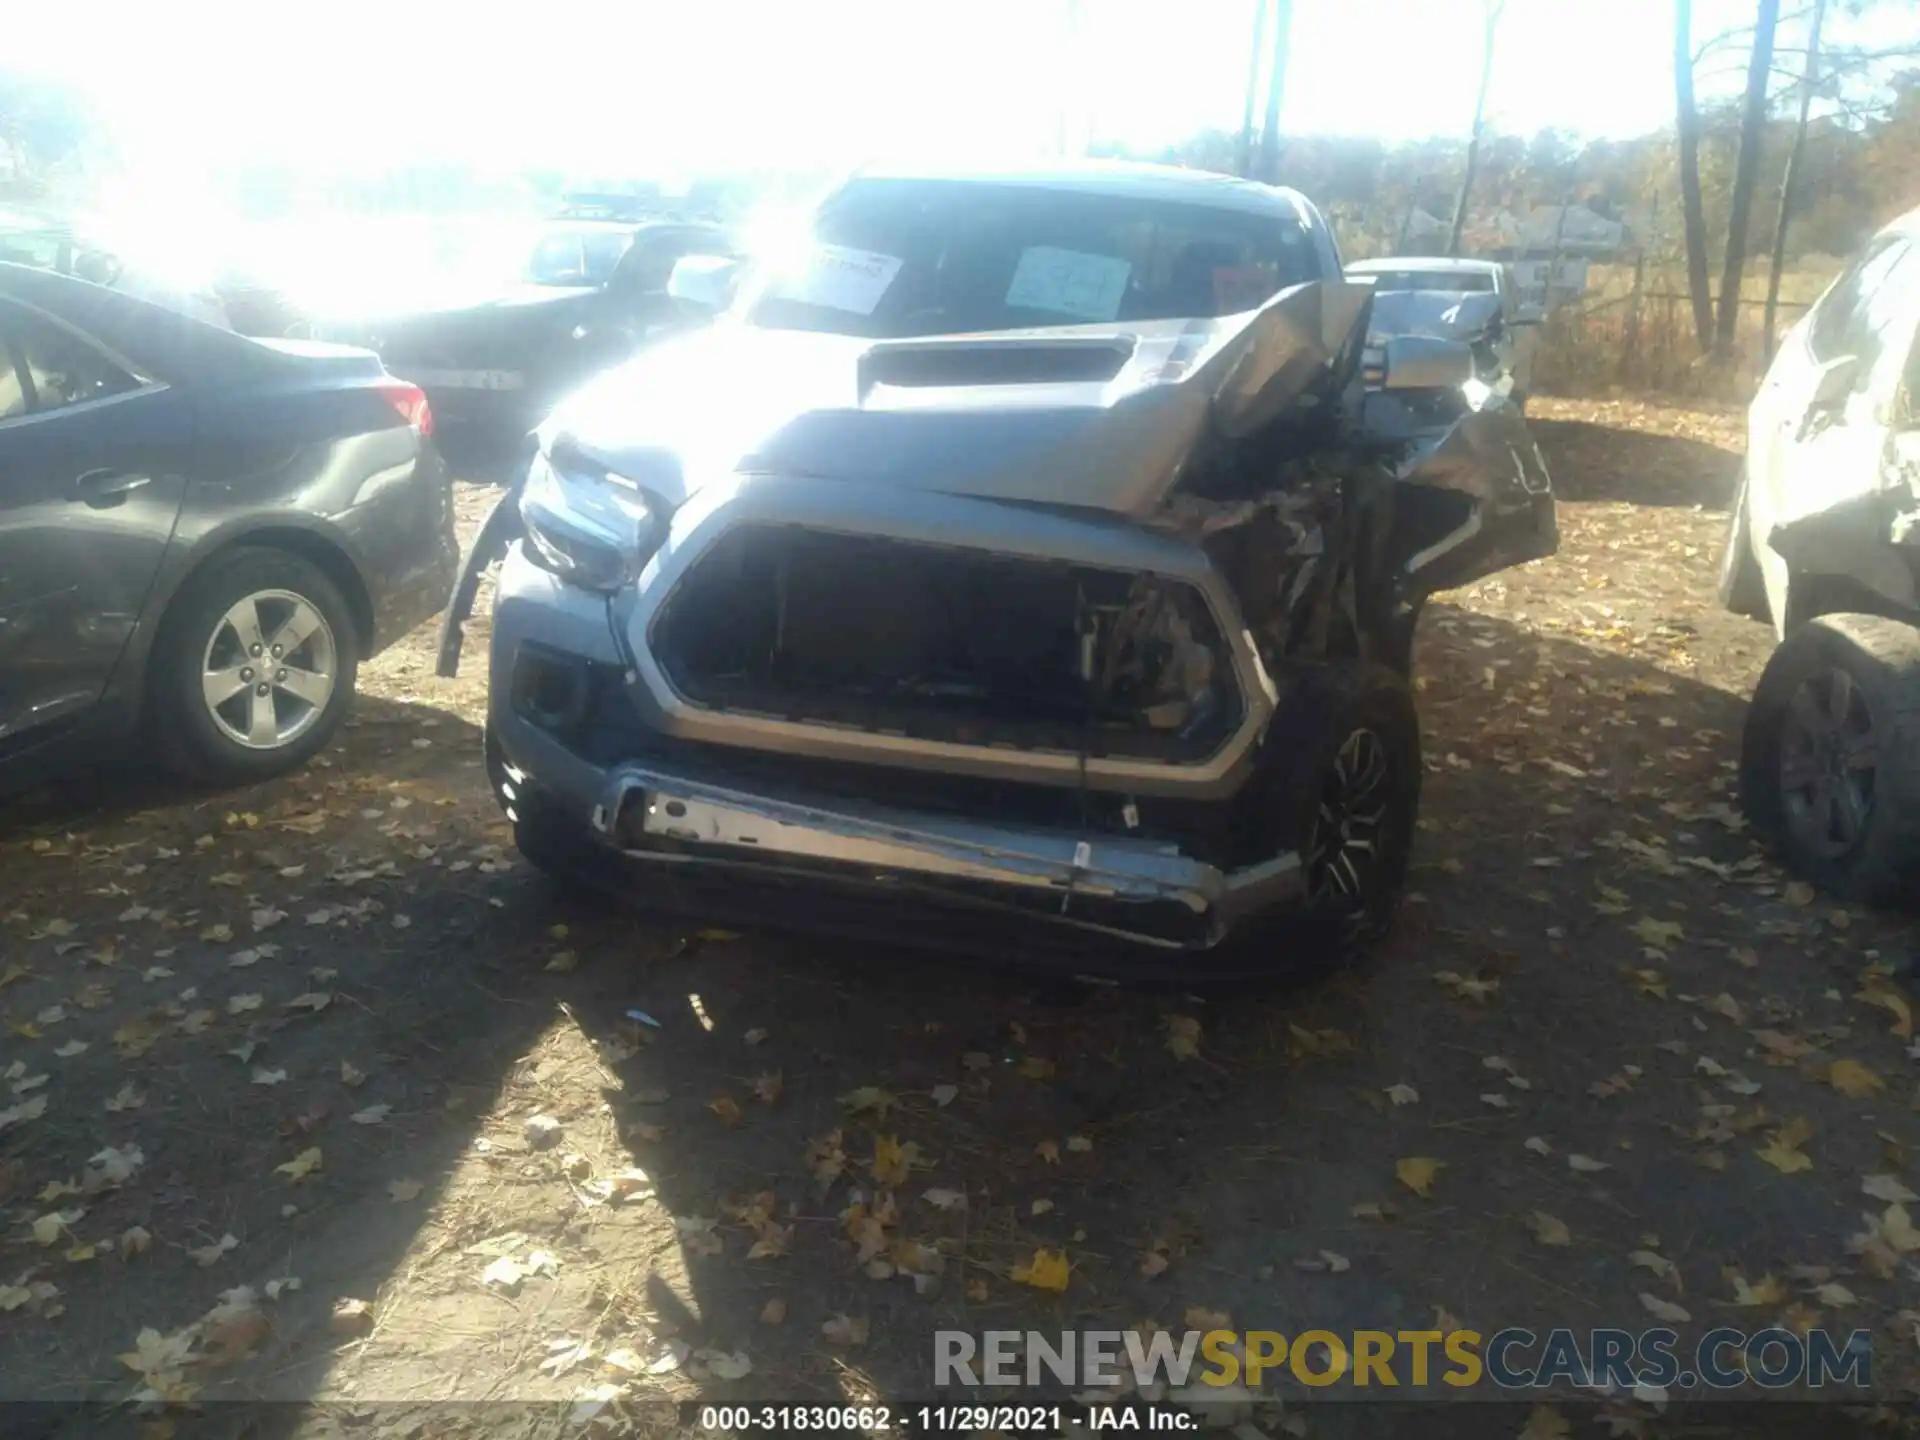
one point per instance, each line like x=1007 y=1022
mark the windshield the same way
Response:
x=901 y=258
x=577 y=255
x=1458 y=282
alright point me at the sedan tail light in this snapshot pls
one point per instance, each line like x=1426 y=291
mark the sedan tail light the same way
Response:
x=411 y=402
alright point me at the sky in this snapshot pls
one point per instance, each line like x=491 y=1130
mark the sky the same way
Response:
x=652 y=88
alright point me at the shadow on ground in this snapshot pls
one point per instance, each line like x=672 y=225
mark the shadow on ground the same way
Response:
x=1640 y=467
x=1572 y=794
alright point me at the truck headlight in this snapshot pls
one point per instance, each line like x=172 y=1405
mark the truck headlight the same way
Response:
x=593 y=531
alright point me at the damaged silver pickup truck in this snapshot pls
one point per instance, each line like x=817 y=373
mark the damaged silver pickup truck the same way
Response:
x=1025 y=548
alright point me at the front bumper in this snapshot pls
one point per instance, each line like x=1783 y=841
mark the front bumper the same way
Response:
x=667 y=817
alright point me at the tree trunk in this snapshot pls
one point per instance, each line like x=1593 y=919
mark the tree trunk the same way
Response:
x=1809 y=80
x=1746 y=170
x=1686 y=130
x=1243 y=158
x=1276 y=87
x=1479 y=121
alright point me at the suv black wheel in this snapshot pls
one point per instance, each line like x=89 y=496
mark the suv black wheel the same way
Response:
x=1339 y=783
x=254 y=667
x=1830 y=757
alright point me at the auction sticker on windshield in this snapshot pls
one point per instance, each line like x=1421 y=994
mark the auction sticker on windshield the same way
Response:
x=1069 y=282
x=840 y=278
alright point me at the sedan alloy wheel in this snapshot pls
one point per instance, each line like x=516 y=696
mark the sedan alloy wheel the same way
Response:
x=269 y=669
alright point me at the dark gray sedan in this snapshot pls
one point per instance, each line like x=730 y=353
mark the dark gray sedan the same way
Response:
x=201 y=535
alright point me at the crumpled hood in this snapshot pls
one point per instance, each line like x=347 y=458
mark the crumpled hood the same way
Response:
x=1445 y=314
x=1102 y=417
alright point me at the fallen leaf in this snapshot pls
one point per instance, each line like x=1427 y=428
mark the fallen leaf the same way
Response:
x=350 y=1075
x=1887 y=1187
x=1049 y=1151
x=723 y=1365
x=727 y=1108
x=1467 y=987
x=891 y=1161
x=401 y=1191
x=48 y=1229
x=125 y=1098
x=210 y=1254
x=844 y=1330
x=1652 y=1260
x=1659 y=934
x=944 y=1095
x=1548 y=1230
x=1403 y=1094
x=1183 y=1036
x=301 y=1166
x=1664 y=1309
x=32 y=1108
x=1768 y=1292
x=313 y=1002
x=372 y=1115
x=1836 y=1295
x=1048 y=1270
x=1853 y=1079
x=1545 y=1423
x=768 y=1087
x=1586 y=1165
x=264 y=1076
x=1893 y=1002
x=774 y=1312
x=946 y=1199
x=1782 y=1150
x=1079 y=1144
x=869 y=1097
x=1417 y=1174
x=506 y=1274
x=754 y=1036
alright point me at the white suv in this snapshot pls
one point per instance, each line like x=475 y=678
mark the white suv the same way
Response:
x=1824 y=541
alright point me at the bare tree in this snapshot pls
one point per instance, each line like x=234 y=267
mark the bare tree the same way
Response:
x=1494 y=10
x=1276 y=88
x=1687 y=142
x=1809 y=81
x=1256 y=56
x=1746 y=171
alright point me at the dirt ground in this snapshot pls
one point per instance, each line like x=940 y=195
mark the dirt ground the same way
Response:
x=275 y=1049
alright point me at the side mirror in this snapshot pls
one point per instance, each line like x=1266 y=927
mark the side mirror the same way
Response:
x=704 y=283
x=1426 y=362
x=1834 y=381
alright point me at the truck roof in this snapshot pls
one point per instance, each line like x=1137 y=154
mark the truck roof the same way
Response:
x=1438 y=264
x=1123 y=177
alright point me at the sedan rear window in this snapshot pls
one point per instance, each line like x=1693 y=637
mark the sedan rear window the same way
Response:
x=577 y=256
x=904 y=258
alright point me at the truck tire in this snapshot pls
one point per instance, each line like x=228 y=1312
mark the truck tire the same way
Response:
x=1830 y=756
x=1338 y=783
x=1742 y=588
